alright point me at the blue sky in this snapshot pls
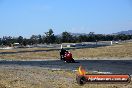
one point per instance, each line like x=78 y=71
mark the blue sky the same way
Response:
x=28 y=17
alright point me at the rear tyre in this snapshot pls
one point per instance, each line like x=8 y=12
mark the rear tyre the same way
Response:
x=67 y=61
x=73 y=61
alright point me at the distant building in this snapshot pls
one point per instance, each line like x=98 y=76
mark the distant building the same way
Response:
x=16 y=45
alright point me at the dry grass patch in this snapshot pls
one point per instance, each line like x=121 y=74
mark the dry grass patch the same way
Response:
x=31 y=55
x=124 y=50
x=37 y=77
x=119 y=51
x=23 y=49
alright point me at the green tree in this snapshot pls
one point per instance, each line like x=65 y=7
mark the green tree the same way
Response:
x=58 y=39
x=66 y=37
x=20 y=40
x=83 y=38
x=49 y=36
x=0 y=41
x=40 y=40
x=34 y=39
x=25 y=42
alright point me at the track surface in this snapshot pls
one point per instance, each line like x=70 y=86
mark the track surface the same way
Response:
x=113 y=66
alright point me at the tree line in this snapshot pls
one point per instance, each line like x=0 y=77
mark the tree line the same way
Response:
x=66 y=37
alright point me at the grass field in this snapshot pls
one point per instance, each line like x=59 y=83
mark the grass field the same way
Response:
x=121 y=51
x=23 y=49
x=37 y=77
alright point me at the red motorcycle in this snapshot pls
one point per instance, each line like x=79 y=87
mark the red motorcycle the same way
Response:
x=66 y=56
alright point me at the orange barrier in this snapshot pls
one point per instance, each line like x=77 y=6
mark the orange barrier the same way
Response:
x=82 y=77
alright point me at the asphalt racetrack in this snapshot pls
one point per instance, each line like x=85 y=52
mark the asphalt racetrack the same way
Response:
x=112 y=66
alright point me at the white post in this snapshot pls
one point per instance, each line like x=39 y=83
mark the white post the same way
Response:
x=61 y=46
x=111 y=42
